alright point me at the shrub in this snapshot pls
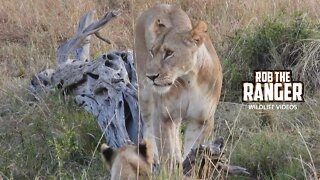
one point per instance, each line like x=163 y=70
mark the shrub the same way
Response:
x=279 y=43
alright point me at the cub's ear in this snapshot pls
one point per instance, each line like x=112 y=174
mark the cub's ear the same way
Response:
x=197 y=34
x=107 y=154
x=145 y=150
x=159 y=27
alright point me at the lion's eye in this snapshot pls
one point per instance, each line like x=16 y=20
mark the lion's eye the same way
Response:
x=168 y=53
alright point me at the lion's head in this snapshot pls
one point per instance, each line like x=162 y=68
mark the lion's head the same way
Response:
x=130 y=161
x=173 y=56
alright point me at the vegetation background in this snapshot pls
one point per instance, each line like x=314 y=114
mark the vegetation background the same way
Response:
x=53 y=138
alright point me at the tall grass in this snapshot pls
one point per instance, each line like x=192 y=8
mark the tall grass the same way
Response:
x=49 y=138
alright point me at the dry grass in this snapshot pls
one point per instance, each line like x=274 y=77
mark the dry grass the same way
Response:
x=30 y=33
x=308 y=68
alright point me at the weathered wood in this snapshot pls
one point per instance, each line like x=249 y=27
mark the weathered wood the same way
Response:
x=83 y=52
x=209 y=159
x=41 y=82
x=82 y=37
x=105 y=87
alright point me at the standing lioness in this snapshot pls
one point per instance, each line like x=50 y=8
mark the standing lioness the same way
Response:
x=180 y=79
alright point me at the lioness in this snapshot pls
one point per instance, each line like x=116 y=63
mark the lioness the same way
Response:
x=130 y=161
x=180 y=79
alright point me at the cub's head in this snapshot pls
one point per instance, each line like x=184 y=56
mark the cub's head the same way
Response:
x=130 y=161
x=174 y=55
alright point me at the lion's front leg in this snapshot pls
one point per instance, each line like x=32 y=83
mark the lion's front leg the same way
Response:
x=197 y=132
x=168 y=140
x=146 y=103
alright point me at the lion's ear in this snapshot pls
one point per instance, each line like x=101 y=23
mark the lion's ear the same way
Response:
x=197 y=34
x=108 y=154
x=145 y=150
x=159 y=27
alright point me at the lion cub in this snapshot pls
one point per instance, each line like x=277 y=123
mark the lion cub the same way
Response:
x=129 y=162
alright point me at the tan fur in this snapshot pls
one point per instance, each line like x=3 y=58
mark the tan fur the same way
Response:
x=129 y=162
x=188 y=79
x=149 y=26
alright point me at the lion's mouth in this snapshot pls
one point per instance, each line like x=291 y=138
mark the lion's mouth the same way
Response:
x=162 y=88
x=162 y=85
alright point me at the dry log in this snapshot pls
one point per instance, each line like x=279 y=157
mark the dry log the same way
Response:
x=80 y=43
x=106 y=90
x=105 y=87
x=209 y=159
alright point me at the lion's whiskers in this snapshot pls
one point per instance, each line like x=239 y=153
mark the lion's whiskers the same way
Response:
x=178 y=84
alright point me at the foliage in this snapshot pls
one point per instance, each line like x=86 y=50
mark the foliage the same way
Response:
x=277 y=44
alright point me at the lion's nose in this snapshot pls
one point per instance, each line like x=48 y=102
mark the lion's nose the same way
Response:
x=153 y=77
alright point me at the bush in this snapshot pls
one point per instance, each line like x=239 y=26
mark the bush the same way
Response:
x=277 y=44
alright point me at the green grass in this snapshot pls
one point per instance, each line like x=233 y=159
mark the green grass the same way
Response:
x=49 y=138
x=273 y=154
x=272 y=144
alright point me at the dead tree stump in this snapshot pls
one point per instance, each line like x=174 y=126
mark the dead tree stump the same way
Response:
x=105 y=87
x=205 y=160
